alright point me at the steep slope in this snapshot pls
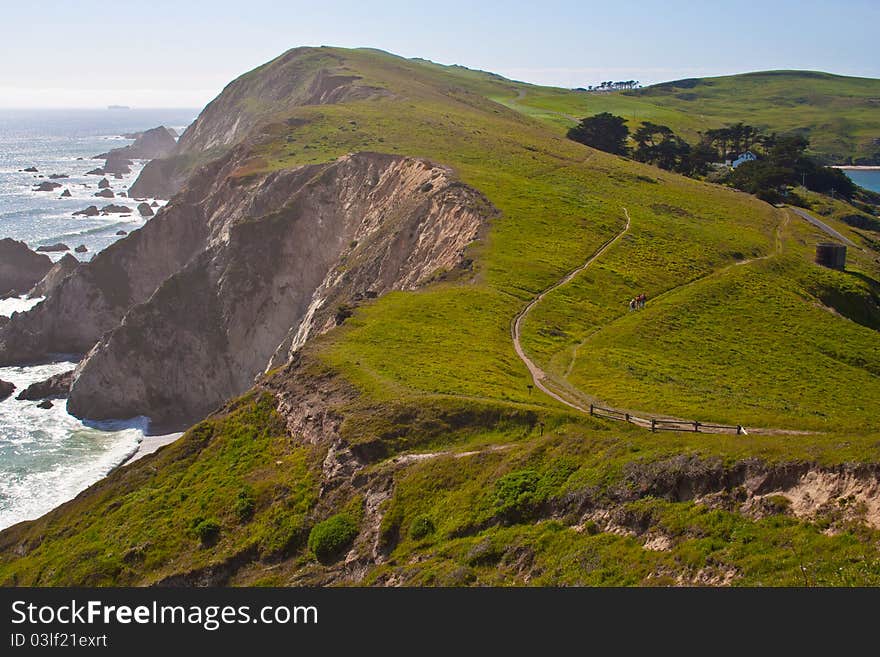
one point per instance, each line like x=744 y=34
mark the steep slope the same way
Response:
x=416 y=421
x=358 y=227
x=838 y=114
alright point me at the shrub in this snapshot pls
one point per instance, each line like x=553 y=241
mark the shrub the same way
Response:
x=207 y=530
x=778 y=503
x=244 y=505
x=421 y=527
x=343 y=312
x=330 y=537
x=516 y=494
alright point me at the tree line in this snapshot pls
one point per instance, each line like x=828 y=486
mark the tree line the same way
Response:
x=782 y=160
x=611 y=86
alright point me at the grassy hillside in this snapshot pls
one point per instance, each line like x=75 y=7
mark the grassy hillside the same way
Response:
x=840 y=115
x=465 y=473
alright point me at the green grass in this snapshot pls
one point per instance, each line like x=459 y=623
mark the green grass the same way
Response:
x=838 y=114
x=435 y=371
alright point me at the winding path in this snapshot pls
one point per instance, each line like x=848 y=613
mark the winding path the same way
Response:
x=538 y=375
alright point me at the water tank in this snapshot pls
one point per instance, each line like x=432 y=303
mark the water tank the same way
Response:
x=829 y=254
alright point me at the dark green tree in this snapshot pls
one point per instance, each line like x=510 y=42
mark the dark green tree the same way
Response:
x=603 y=131
x=658 y=145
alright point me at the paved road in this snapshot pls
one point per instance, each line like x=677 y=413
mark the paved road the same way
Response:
x=821 y=225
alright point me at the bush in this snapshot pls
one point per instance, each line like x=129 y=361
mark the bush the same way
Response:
x=516 y=494
x=421 y=527
x=207 y=530
x=244 y=505
x=778 y=503
x=330 y=537
x=343 y=312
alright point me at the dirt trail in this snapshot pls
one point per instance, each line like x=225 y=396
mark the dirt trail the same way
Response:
x=540 y=378
x=538 y=375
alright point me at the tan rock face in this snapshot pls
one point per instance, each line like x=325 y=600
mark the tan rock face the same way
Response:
x=281 y=252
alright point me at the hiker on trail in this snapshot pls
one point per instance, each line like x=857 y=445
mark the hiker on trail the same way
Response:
x=632 y=305
x=644 y=299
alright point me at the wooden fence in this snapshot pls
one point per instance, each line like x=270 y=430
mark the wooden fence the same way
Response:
x=655 y=424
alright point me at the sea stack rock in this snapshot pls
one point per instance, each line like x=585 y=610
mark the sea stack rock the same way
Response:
x=95 y=172
x=81 y=249
x=30 y=169
x=65 y=193
x=116 y=209
x=122 y=232
x=46 y=404
x=148 y=145
x=47 y=186
x=57 y=176
x=58 y=273
x=105 y=193
x=52 y=248
x=117 y=164
x=145 y=210
x=54 y=387
x=6 y=389
x=104 y=184
x=91 y=211
x=20 y=268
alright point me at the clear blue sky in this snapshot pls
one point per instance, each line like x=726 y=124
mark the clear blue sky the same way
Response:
x=180 y=54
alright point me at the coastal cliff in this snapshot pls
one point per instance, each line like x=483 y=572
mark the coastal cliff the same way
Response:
x=314 y=237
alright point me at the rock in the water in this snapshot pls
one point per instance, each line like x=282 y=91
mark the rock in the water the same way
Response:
x=95 y=172
x=116 y=209
x=117 y=165
x=81 y=249
x=154 y=204
x=122 y=232
x=54 y=387
x=30 y=169
x=57 y=274
x=45 y=404
x=47 y=186
x=6 y=389
x=20 y=268
x=53 y=247
x=56 y=176
x=123 y=194
x=148 y=145
x=91 y=211
x=65 y=193
x=105 y=193
x=145 y=210
x=103 y=184
x=117 y=176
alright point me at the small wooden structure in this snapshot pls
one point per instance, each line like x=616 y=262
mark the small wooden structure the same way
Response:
x=831 y=255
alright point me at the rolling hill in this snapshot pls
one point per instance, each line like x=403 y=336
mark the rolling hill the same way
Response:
x=840 y=115
x=404 y=441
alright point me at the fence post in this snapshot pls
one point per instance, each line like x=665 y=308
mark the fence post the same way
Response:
x=653 y=425
x=696 y=427
x=591 y=409
x=739 y=429
x=627 y=417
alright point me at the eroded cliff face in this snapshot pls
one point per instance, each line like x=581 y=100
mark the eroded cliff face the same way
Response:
x=281 y=252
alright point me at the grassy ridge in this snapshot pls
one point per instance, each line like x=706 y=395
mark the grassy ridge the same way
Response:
x=839 y=114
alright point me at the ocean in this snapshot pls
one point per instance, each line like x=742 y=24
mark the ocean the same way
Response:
x=869 y=179
x=46 y=455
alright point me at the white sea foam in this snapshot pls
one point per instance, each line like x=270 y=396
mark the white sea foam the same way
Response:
x=46 y=455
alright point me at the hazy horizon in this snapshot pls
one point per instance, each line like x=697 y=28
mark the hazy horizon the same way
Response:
x=181 y=55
